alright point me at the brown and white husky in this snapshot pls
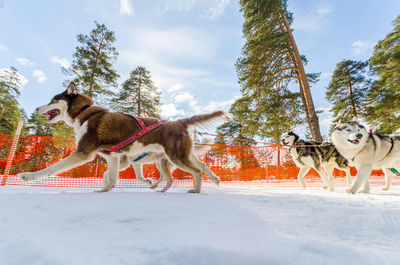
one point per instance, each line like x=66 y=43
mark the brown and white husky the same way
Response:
x=97 y=130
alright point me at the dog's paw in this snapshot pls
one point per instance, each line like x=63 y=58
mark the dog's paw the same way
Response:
x=105 y=189
x=366 y=191
x=148 y=181
x=27 y=176
x=325 y=187
x=194 y=191
x=216 y=180
x=385 y=188
x=350 y=191
x=154 y=186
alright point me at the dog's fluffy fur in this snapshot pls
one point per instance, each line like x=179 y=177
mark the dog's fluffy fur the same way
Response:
x=97 y=129
x=310 y=154
x=366 y=151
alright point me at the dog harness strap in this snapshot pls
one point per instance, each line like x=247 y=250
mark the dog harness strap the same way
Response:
x=330 y=152
x=145 y=129
x=80 y=111
x=390 y=150
x=141 y=156
x=300 y=155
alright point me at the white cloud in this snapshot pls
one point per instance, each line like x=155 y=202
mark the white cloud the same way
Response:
x=40 y=76
x=182 y=97
x=170 y=110
x=217 y=9
x=2 y=47
x=174 y=88
x=314 y=20
x=126 y=8
x=212 y=106
x=207 y=9
x=182 y=42
x=324 y=8
x=63 y=62
x=24 y=81
x=360 y=46
x=326 y=75
x=24 y=61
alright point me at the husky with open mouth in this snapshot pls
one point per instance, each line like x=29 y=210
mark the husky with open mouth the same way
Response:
x=366 y=151
x=113 y=135
x=311 y=154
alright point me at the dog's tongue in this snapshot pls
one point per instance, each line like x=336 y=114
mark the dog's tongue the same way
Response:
x=356 y=141
x=52 y=113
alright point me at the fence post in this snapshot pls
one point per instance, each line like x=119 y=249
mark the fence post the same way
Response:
x=279 y=156
x=11 y=154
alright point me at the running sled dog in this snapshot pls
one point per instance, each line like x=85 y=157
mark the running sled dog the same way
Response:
x=310 y=154
x=117 y=136
x=366 y=151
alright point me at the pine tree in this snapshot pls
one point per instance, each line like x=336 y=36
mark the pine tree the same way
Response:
x=92 y=65
x=383 y=111
x=138 y=95
x=37 y=125
x=347 y=90
x=10 y=83
x=271 y=61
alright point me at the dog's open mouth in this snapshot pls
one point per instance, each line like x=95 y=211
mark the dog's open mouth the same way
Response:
x=51 y=114
x=355 y=141
x=284 y=143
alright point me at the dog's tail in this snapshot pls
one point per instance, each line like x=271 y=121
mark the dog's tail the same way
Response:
x=201 y=149
x=206 y=120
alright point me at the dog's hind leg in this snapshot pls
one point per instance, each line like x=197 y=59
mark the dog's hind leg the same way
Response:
x=187 y=165
x=165 y=168
x=300 y=177
x=113 y=172
x=139 y=174
x=160 y=179
x=388 y=178
x=325 y=178
x=206 y=169
x=329 y=171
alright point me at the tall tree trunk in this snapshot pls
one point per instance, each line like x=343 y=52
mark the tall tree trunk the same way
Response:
x=312 y=118
x=353 y=105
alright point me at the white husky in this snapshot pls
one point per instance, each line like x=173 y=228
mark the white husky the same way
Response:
x=366 y=151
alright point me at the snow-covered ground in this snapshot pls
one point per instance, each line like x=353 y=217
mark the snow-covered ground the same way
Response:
x=220 y=226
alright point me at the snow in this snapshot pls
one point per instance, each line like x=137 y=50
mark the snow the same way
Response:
x=232 y=226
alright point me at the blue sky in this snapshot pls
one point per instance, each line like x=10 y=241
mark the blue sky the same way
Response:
x=190 y=47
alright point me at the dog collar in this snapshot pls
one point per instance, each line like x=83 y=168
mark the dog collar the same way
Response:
x=80 y=111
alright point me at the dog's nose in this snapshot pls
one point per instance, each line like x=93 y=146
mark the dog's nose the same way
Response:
x=37 y=110
x=359 y=135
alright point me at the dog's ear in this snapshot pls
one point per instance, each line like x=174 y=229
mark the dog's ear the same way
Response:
x=71 y=89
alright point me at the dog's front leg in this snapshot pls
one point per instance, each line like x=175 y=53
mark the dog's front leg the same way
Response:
x=363 y=173
x=113 y=172
x=74 y=160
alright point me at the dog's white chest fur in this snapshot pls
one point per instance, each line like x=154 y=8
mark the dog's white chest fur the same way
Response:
x=81 y=132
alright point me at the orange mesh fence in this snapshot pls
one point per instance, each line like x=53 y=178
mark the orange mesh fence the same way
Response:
x=253 y=166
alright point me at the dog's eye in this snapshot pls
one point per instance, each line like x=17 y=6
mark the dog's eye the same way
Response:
x=348 y=130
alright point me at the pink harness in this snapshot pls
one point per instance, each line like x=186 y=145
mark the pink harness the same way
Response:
x=145 y=129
